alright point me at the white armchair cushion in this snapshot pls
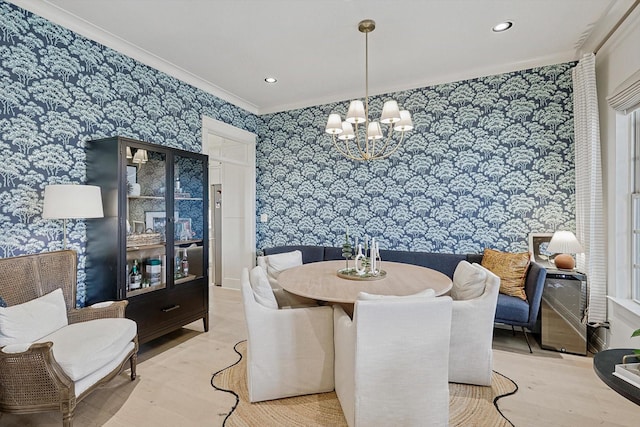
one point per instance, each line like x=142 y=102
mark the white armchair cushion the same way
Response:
x=261 y=261
x=16 y=348
x=468 y=281
x=427 y=293
x=85 y=383
x=277 y=263
x=34 y=319
x=85 y=347
x=101 y=304
x=262 y=291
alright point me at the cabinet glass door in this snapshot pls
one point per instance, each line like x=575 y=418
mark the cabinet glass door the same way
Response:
x=146 y=213
x=189 y=224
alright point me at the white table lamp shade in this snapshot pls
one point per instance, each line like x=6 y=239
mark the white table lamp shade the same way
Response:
x=64 y=201
x=564 y=242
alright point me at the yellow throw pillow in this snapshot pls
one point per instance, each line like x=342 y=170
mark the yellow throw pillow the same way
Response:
x=510 y=267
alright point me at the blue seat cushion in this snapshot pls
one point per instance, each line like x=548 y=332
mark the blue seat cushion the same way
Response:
x=477 y=258
x=512 y=310
x=444 y=263
x=334 y=254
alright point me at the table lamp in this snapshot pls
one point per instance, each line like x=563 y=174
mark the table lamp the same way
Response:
x=564 y=243
x=69 y=201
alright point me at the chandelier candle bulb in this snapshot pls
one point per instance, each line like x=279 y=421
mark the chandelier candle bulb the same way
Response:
x=355 y=114
x=405 y=123
x=374 y=131
x=390 y=113
x=334 y=124
x=347 y=131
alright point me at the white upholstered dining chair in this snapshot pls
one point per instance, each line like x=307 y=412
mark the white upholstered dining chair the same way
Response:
x=392 y=361
x=475 y=295
x=289 y=351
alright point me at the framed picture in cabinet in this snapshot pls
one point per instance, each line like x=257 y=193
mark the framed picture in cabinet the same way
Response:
x=156 y=221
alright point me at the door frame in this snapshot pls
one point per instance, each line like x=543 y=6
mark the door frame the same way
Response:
x=220 y=129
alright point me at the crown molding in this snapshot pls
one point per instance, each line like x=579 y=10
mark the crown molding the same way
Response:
x=468 y=74
x=608 y=25
x=80 y=26
x=625 y=27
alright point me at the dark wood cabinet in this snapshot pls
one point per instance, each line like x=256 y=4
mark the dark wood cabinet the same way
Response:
x=151 y=246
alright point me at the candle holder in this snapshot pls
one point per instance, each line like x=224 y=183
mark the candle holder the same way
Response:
x=347 y=250
x=367 y=264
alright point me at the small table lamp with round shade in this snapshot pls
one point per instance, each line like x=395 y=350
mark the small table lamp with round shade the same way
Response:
x=564 y=243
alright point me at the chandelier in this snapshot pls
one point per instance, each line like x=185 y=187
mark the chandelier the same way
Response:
x=368 y=142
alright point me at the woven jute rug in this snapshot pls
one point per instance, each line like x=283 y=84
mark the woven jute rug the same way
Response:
x=469 y=405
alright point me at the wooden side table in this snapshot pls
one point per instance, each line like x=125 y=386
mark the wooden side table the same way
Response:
x=604 y=363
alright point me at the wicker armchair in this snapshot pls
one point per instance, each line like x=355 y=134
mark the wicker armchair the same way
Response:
x=32 y=380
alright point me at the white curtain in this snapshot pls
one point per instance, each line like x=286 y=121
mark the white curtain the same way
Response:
x=590 y=223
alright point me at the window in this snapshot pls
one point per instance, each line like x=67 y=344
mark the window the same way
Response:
x=635 y=205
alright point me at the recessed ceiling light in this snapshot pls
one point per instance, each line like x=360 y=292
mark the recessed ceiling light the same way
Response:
x=503 y=26
x=270 y=80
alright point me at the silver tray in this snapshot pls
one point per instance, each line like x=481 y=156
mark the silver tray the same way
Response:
x=351 y=274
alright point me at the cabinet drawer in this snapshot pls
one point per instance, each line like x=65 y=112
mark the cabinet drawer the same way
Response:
x=167 y=310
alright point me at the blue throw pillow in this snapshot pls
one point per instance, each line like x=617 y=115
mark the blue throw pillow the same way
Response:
x=2 y=303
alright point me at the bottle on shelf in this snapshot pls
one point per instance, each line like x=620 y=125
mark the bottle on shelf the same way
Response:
x=135 y=277
x=178 y=273
x=185 y=264
x=128 y=278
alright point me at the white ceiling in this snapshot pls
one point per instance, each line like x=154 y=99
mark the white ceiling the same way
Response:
x=314 y=49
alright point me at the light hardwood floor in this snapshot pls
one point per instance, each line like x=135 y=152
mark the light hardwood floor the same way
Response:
x=174 y=372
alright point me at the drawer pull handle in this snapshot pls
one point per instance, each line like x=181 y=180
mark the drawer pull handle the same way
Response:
x=168 y=309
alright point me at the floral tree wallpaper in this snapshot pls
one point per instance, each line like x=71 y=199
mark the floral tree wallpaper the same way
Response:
x=488 y=161
x=58 y=90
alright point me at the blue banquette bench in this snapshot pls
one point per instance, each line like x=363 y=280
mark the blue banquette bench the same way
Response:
x=510 y=310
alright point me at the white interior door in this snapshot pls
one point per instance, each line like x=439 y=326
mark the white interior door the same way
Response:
x=232 y=164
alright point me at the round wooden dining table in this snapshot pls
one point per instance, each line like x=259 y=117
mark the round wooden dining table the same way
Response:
x=320 y=281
